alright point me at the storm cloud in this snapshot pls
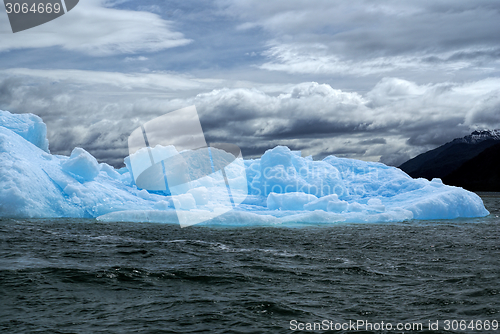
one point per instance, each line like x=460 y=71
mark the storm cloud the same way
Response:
x=380 y=81
x=394 y=120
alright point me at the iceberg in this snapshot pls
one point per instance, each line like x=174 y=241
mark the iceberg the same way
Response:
x=284 y=188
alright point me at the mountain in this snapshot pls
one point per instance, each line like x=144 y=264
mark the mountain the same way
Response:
x=481 y=173
x=447 y=158
x=479 y=136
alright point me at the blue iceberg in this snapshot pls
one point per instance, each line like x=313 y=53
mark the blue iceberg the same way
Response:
x=282 y=188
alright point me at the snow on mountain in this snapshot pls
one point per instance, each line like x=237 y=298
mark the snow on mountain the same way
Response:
x=479 y=136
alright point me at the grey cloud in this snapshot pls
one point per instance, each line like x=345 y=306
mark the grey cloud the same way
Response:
x=395 y=159
x=487 y=111
x=437 y=134
x=7 y=89
x=366 y=37
x=373 y=141
x=347 y=149
x=96 y=29
x=397 y=119
x=412 y=73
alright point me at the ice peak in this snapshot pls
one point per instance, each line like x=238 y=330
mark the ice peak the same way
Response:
x=29 y=126
x=478 y=136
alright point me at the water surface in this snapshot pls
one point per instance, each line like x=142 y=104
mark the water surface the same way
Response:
x=82 y=276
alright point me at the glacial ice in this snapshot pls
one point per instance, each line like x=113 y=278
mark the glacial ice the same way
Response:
x=284 y=188
x=28 y=126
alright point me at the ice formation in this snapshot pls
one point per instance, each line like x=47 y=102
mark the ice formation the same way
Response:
x=283 y=188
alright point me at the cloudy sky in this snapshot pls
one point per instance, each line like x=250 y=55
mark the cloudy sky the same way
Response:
x=371 y=80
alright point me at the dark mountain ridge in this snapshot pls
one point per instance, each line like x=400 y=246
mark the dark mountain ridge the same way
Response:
x=479 y=136
x=481 y=173
x=448 y=158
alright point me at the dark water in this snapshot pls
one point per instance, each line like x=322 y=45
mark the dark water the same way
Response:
x=81 y=276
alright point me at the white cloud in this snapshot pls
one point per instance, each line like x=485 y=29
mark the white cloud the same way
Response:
x=132 y=59
x=395 y=120
x=317 y=59
x=409 y=39
x=411 y=118
x=97 y=30
x=123 y=81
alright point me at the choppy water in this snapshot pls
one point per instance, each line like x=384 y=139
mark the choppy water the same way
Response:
x=81 y=276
